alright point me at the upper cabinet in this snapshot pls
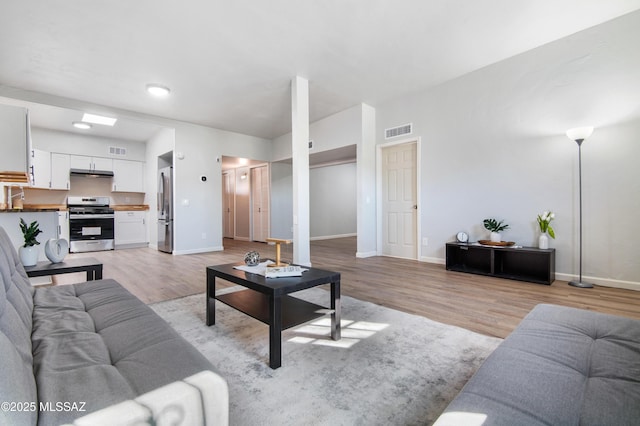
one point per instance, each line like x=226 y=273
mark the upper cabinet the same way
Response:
x=14 y=139
x=91 y=163
x=40 y=169
x=128 y=176
x=49 y=170
x=60 y=166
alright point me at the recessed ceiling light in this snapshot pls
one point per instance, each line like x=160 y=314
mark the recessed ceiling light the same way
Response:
x=158 y=90
x=81 y=125
x=99 y=119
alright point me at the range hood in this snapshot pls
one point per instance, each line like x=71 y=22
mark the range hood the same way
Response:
x=91 y=173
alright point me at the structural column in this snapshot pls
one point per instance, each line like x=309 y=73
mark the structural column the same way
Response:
x=300 y=156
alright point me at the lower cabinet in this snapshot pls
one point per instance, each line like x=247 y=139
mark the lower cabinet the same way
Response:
x=130 y=229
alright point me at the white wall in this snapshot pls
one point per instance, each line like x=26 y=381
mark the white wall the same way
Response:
x=354 y=126
x=73 y=143
x=160 y=144
x=198 y=212
x=493 y=145
x=337 y=130
x=333 y=199
x=281 y=200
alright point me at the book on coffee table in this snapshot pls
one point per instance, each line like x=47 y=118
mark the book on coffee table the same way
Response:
x=284 y=271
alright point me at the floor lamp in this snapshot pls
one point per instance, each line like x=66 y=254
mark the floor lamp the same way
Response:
x=579 y=134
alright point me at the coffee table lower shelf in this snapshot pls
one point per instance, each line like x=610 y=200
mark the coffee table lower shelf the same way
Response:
x=294 y=311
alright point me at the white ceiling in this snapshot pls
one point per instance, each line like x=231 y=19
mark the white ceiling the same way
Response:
x=229 y=63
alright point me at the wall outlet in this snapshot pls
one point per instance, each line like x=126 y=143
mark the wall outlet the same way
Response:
x=204 y=235
x=425 y=241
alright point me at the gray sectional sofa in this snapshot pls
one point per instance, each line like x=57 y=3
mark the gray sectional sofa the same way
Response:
x=67 y=351
x=561 y=366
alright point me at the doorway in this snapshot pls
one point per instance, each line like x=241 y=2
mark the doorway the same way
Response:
x=398 y=174
x=245 y=199
x=260 y=203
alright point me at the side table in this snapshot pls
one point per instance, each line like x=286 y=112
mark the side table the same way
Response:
x=90 y=265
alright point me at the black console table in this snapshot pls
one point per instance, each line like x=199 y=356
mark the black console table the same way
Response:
x=521 y=263
x=90 y=265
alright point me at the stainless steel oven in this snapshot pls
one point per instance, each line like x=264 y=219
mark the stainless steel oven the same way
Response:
x=91 y=224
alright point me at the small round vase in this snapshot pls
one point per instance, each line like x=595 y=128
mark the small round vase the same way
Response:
x=495 y=237
x=28 y=255
x=543 y=241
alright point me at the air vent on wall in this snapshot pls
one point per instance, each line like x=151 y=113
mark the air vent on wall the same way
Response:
x=405 y=129
x=114 y=150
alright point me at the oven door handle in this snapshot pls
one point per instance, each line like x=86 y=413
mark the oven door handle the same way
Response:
x=90 y=216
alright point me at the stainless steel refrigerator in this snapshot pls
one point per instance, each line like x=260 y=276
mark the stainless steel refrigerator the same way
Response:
x=165 y=209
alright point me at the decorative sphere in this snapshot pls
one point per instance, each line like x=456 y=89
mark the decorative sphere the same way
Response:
x=252 y=258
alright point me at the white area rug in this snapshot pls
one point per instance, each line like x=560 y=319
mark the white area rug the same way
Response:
x=389 y=368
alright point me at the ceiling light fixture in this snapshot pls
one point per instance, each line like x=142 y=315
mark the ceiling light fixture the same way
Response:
x=98 y=119
x=81 y=125
x=158 y=90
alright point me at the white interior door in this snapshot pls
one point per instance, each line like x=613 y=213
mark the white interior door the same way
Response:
x=260 y=203
x=399 y=201
x=228 y=194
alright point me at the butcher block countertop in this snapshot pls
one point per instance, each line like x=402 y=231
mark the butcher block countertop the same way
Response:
x=129 y=207
x=37 y=208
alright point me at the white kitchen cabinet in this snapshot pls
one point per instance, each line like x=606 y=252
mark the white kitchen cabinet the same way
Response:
x=128 y=176
x=40 y=169
x=14 y=140
x=130 y=229
x=91 y=163
x=60 y=166
x=63 y=225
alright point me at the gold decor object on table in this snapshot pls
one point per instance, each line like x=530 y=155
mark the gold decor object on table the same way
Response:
x=278 y=242
x=496 y=243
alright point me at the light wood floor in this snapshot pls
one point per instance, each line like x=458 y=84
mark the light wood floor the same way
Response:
x=486 y=305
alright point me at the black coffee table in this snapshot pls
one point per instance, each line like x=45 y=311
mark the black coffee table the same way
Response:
x=268 y=300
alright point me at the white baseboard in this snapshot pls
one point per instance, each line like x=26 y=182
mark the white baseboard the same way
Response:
x=362 y=255
x=435 y=260
x=332 y=237
x=200 y=250
x=130 y=246
x=606 y=282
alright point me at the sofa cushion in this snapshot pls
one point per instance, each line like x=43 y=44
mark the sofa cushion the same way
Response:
x=97 y=343
x=560 y=366
x=16 y=307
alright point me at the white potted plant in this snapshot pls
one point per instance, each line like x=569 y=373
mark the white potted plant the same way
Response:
x=544 y=221
x=495 y=227
x=29 y=251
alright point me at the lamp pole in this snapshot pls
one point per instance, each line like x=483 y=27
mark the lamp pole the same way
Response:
x=579 y=135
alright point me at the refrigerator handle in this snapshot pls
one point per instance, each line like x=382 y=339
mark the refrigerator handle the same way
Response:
x=161 y=193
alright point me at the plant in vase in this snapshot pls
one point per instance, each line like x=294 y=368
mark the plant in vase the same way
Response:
x=495 y=227
x=544 y=221
x=29 y=251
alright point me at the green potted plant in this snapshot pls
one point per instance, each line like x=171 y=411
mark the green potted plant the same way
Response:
x=495 y=227
x=29 y=251
x=544 y=221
